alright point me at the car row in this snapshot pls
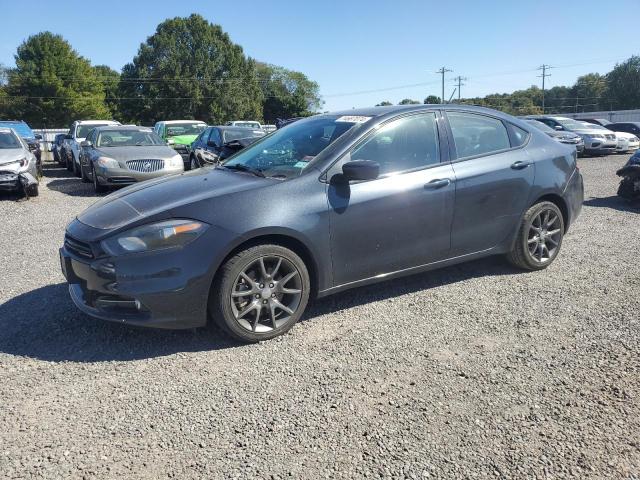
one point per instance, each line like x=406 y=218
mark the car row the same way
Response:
x=597 y=139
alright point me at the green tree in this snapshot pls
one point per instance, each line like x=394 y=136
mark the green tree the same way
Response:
x=52 y=85
x=432 y=99
x=624 y=84
x=190 y=68
x=286 y=93
x=384 y=103
x=110 y=80
x=408 y=101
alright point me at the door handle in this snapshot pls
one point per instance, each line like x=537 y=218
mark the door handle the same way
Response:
x=520 y=165
x=438 y=183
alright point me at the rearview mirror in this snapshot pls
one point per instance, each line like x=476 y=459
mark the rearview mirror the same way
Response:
x=361 y=170
x=558 y=127
x=86 y=144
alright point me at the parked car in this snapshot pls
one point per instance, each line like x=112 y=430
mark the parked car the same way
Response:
x=627 y=142
x=18 y=164
x=628 y=127
x=32 y=139
x=328 y=203
x=595 y=121
x=216 y=144
x=565 y=137
x=122 y=155
x=76 y=135
x=245 y=124
x=56 y=149
x=596 y=142
x=283 y=122
x=180 y=134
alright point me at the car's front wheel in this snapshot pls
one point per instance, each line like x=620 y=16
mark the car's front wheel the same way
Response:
x=194 y=163
x=539 y=237
x=260 y=293
x=96 y=184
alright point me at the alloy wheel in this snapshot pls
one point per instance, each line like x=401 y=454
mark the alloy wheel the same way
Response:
x=266 y=293
x=545 y=234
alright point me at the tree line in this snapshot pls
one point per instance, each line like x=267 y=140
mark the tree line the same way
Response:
x=188 y=69
x=618 y=89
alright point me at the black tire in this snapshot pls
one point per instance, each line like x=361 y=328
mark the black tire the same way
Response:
x=33 y=191
x=68 y=163
x=193 y=163
x=76 y=167
x=220 y=302
x=97 y=187
x=521 y=255
x=83 y=175
x=626 y=189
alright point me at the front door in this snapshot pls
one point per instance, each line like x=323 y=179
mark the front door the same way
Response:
x=401 y=219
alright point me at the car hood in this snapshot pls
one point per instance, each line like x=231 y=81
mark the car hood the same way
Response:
x=155 y=197
x=625 y=135
x=137 y=153
x=8 y=155
x=184 y=139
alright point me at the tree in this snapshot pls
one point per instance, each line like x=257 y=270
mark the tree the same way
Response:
x=286 y=93
x=384 y=103
x=52 y=85
x=408 y=101
x=624 y=84
x=110 y=80
x=432 y=99
x=190 y=68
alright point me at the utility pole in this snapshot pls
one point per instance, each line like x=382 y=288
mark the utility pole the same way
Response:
x=459 y=79
x=544 y=75
x=442 y=71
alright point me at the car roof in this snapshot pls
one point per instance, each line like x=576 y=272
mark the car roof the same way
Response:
x=122 y=127
x=171 y=122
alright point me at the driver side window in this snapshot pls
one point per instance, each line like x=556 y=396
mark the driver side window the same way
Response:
x=405 y=144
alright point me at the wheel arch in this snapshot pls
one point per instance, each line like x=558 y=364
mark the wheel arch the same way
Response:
x=559 y=202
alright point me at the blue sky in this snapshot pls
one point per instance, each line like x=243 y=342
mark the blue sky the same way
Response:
x=358 y=46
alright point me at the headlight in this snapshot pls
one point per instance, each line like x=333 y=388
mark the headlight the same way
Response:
x=107 y=162
x=17 y=164
x=175 y=161
x=155 y=236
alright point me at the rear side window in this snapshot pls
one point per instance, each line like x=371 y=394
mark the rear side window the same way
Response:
x=404 y=144
x=477 y=134
x=519 y=136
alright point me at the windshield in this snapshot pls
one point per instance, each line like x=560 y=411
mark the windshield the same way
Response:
x=21 y=128
x=286 y=152
x=540 y=126
x=128 y=138
x=231 y=135
x=185 y=129
x=573 y=125
x=83 y=130
x=9 y=140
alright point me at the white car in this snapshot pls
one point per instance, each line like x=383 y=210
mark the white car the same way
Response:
x=245 y=123
x=18 y=169
x=76 y=135
x=627 y=142
x=596 y=142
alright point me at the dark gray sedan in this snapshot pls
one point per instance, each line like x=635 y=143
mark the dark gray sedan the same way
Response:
x=116 y=155
x=325 y=204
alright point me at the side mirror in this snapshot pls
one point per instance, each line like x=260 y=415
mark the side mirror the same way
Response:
x=86 y=144
x=211 y=143
x=559 y=127
x=171 y=141
x=361 y=170
x=68 y=136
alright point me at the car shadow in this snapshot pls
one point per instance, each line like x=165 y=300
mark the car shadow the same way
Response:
x=60 y=332
x=614 y=202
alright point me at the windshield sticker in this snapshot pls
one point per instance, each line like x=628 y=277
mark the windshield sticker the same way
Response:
x=353 y=119
x=301 y=164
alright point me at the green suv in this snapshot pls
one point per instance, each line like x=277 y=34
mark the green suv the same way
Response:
x=180 y=134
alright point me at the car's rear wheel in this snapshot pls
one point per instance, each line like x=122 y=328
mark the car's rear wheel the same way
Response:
x=260 y=293
x=539 y=237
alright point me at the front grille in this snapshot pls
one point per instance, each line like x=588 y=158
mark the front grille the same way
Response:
x=609 y=136
x=77 y=247
x=145 y=166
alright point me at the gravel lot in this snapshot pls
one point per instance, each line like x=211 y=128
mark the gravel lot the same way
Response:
x=477 y=370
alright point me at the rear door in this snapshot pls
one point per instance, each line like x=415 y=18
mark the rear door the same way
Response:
x=493 y=180
x=402 y=218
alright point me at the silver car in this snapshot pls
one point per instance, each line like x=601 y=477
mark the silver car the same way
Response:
x=122 y=155
x=18 y=166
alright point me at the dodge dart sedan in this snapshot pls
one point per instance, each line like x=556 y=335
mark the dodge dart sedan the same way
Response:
x=327 y=203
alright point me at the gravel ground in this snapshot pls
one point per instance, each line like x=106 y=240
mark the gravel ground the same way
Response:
x=477 y=370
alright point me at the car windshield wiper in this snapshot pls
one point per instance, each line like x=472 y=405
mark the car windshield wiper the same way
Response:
x=244 y=168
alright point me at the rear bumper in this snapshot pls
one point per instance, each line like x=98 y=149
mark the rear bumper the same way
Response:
x=574 y=196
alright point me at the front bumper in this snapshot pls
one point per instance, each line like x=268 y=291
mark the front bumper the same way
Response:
x=162 y=289
x=9 y=181
x=125 y=176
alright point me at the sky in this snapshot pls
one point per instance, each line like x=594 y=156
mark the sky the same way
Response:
x=362 y=52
